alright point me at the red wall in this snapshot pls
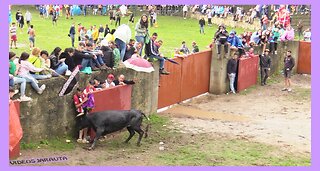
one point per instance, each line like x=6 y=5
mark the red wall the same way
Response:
x=247 y=72
x=14 y=109
x=188 y=79
x=115 y=98
x=304 y=60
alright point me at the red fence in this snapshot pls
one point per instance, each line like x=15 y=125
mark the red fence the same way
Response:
x=115 y=98
x=15 y=130
x=304 y=60
x=188 y=79
x=247 y=72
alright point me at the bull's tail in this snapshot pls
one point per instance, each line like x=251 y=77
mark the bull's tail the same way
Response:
x=148 y=125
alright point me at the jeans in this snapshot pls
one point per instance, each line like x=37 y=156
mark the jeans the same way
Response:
x=161 y=59
x=72 y=39
x=33 y=82
x=264 y=75
x=140 y=39
x=122 y=47
x=218 y=43
x=86 y=63
x=232 y=77
x=22 y=81
x=201 y=29
x=62 y=68
x=99 y=60
x=41 y=77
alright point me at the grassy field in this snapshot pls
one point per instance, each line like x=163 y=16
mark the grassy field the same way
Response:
x=180 y=150
x=172 y=30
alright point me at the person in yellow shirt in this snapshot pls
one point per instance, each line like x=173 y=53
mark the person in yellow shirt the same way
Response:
x=95 y=34
x=38 y=62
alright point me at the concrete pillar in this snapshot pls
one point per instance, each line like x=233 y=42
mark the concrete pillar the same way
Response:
x=294 y=47
x=219 y=82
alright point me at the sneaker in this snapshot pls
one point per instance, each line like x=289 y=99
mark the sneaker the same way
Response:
x=164 y=72
x=79 y=140
x=289 y=90
x=16 y=92
x=80 y=114
x=41 y=89
x=85 y=141
x=233 y=92
x=275 y=52
x=285 y=89
x=95 y=69
x=68 y=73
x=25 y=98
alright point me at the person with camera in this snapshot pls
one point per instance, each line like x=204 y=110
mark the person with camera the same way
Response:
x=71 y=34
x=221 y=37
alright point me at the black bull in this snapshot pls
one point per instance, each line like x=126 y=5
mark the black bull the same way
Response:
x=110 y=121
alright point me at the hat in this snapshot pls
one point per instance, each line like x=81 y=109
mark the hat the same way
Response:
x=110 y=76
x=232 y=32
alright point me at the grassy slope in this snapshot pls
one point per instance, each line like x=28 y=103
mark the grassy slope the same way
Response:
x=172 y=30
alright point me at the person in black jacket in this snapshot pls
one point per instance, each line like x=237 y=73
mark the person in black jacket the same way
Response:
x=265 y=65
x=106 y=30
x=220 y=38
x=121 y=81
x=232 y=70
x=68 y=56
x=71 y=34
x=288 y=65
x=202 y=23
x=83 y=59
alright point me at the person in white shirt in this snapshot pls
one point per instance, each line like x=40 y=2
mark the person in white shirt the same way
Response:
x=24 y=72
x=28 y=18
x=185 y=10
x=307 y=35
x=109 y=81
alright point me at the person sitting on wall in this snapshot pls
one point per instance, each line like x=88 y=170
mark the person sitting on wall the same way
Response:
x=184 y=49
x=221 y=37
x=195 y=47
x=121 y=81
x=235 y=43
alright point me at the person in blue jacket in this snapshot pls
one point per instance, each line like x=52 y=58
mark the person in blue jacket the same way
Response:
x=235 y=42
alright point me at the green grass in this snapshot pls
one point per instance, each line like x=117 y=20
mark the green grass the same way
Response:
x=172 y=30
x=226 y=152
x=52 y=144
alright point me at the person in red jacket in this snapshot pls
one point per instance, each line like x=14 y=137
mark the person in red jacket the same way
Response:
x=79 y=99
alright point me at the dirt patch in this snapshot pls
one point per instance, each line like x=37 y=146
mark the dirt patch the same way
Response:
x=185 y=111
x=266 y=115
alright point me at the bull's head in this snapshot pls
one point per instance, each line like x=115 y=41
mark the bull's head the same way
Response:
x=82 y=122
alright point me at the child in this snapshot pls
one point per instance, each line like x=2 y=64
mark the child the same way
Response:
x=79 y=99
x=13 y=33
x=109 y=81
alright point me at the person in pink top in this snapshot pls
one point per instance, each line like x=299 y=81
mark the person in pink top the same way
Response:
x=288 y=34
x=24 y=72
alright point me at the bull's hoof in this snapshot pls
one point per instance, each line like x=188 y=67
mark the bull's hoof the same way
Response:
x=90 y=148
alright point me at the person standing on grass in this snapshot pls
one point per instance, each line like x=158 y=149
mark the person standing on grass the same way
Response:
x=232 y=70
x=71 y=34
x=265 y=64
x=28 y=18
x=118 y=17
x=185 y=11
x=13 y=35
x=202 y=23
x=32 y=36
x=288 y=65
x=141 y=30
x=54 y=18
